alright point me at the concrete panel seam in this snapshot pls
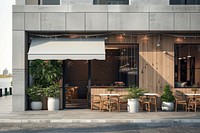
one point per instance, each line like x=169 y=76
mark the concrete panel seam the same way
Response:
x=85 y=21
x=190 y=21
x=66 y=20
x=174 y=21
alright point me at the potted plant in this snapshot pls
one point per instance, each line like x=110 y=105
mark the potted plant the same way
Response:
x=35 y=93
x=167 y=99
x=133 y=98
x=47 y=74
x=110 y=90
x=52 y=92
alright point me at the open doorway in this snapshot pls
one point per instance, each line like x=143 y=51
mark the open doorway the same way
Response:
x=76 y=84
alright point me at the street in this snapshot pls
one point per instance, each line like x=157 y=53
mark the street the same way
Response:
x=83 y=128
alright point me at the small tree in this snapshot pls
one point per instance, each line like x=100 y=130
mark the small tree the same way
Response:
x=167 y=95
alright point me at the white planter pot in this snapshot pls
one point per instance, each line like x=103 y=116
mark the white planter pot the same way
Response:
x=133 y=105
x=36 y=105
x=53 y=104
x=168 y=106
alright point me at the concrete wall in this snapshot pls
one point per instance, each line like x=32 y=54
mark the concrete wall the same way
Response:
x=20 y=2
x=106 y=18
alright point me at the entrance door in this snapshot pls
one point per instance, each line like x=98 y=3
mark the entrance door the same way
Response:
x=76 y=76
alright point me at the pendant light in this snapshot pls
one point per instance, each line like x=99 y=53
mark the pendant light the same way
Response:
x=189 y=56
x=180 y=58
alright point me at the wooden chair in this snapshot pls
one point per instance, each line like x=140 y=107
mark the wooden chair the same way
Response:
x=71 y=94
x=69 y=98
x=96 y=102
x=142 y=102
x=121 y=101
x=110 y=103
x=180 y=99
x=149 y=102
x=193 y=103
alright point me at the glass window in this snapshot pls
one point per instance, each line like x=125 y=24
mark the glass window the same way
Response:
x=187 y=66
x=126 y=58
x=50 y=2
x=184 y=2
x=111 y=2
x=193 y=2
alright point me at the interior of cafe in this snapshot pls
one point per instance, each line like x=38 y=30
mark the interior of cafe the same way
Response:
x=119 y=70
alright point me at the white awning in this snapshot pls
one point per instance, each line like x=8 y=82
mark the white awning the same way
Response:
x=63 y=48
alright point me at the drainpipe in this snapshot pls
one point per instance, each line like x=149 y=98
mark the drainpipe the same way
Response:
x=64 y=85
x=89 y=82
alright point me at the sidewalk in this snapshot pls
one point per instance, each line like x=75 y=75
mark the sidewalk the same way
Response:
x=87 y=116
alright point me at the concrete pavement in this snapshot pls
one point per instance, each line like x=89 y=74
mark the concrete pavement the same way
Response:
x=87 y=116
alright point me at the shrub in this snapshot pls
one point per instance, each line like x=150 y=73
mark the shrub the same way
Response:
x=35 y=93
x=167 y=95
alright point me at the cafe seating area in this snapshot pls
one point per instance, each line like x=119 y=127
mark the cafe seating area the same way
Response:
x=189 y=101
x=117 y=102
x=149 y=102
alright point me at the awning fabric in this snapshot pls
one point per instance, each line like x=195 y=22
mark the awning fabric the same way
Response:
x=63 y=48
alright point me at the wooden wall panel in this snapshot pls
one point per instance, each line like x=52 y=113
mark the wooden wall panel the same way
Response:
x=157 y=63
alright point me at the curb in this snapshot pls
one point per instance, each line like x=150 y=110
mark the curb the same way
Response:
x=134 y=121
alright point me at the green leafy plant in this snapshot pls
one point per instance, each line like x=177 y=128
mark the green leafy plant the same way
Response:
x=167 y=96
x=135 y=92
x=52 y=91
x=35 y=93
x=47 y=74
x=110 y=89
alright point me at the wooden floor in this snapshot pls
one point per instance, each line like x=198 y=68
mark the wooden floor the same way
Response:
x=78 y=104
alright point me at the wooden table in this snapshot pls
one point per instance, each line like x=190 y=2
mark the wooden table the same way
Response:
x=151 y=94
x=194 y=99
x=109 y=99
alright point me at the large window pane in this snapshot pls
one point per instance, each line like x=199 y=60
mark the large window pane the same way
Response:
x=127 y=59
x=177 y=2
x=184 y=2
x=187 y=66
x=111 y=2
x=193 y=2
x=51 y=2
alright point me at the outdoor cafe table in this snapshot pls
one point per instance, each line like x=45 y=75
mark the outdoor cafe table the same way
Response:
x=194 y=98
x=151 y=94
x=108 y=97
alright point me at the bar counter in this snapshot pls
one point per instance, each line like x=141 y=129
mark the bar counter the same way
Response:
x=121 y=90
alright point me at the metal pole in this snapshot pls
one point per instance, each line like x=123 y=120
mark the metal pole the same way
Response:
x=10 y=90
x=0 y=92
x=5 y=91
x=64 y=84
x=89 y=81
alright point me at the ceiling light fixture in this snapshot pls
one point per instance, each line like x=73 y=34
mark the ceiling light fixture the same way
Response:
x=189 y=56
x=180 y=58
x=158 y=43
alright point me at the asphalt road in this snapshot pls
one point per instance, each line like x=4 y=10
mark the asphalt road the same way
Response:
x=109 y=128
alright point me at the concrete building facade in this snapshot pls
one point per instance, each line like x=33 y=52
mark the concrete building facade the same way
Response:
x=156 y=19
